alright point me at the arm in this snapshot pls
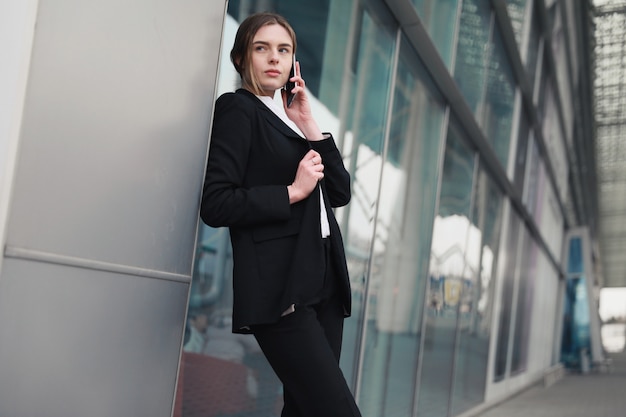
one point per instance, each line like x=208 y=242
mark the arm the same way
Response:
x=225 y=200
x=336 y=177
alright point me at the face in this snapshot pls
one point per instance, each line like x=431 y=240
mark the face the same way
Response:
x=272 y=51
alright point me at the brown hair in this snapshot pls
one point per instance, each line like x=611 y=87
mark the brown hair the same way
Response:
x=241 y=54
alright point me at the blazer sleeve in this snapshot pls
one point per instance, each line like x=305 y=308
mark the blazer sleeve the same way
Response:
x=336 y=177
x=225 y=199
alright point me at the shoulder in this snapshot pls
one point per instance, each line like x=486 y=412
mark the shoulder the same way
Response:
x=241 y=100
x=232 y=110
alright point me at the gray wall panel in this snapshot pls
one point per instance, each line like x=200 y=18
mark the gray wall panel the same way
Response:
x=115 y=130
x=77 y=343
x=102 y=220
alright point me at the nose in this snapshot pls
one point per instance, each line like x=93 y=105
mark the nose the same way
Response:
x=274 y=55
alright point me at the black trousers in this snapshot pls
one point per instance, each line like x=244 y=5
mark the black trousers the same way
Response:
x=303 y=348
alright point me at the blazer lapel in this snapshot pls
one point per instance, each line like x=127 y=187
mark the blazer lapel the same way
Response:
x=269 y=115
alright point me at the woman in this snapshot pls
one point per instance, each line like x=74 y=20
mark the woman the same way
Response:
x=272 y=178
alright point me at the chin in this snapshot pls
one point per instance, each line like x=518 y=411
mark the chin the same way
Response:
x=271 y=88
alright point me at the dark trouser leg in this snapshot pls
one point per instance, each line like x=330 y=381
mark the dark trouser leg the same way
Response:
x=303 y=348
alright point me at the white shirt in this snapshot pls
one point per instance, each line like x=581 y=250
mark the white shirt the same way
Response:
x=280 y=112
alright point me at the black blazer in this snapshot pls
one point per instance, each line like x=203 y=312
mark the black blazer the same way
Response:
x=277 y=247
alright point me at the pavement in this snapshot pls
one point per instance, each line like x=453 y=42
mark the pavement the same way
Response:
x=596 y=394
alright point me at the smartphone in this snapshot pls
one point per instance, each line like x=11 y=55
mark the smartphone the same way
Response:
x=290 y=85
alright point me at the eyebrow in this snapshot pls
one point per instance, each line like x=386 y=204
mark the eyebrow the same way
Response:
x=267 y=43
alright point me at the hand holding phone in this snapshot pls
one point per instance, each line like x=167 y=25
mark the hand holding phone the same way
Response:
x=290 y=85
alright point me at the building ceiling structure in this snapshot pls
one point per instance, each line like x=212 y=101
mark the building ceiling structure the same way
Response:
x=609 y=19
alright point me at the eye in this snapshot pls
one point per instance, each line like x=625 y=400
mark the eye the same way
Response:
x=284 y=50
x=259 y=48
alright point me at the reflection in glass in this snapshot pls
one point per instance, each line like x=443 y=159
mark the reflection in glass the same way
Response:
x=542 y=84
x=534 y=47
x=221 y=373
x=484 y=75
x=497 y=109
x=401 y=252
x=450 y=275
x=471 y=68
x=363 y=147
x=524 y=302
x=477 y=303
x=533 y=176
x=521 y=153
x=440 y=18
x=517 y=11
x=508 y=286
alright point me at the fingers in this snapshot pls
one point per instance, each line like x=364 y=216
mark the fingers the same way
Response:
x=310 y=172
x=312 y=162
x=299 y=108
x=313 y=159
x=311 y=154
x=298 y=79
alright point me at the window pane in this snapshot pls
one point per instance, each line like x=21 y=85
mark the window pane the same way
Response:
x=508 y=285
x=544 y=80
x=565 y=67
x=448 y=275
x=484 y=75
x=477 y=304
x=404 y=228
x=524 y=302
x=533 y=177
x=362 y=146
x=532 y=53
x=440 y=19
x=472 y=51
x=575 y=258
x=517 y=10
x=554 y=139
x=521 y=153
x=497 y=111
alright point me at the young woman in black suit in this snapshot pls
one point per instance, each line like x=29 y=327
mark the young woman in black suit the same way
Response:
x=272 y=179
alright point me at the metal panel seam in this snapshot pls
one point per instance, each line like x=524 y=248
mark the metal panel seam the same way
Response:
x=92 y=264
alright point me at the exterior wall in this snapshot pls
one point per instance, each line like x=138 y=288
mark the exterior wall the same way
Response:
x=104 y=167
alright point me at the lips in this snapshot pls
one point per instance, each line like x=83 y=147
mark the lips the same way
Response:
x=273 y=73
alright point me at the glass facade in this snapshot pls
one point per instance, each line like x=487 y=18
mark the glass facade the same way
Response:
x=402 y=242
x=474 y=324
x=450 y=264
x=450 y=274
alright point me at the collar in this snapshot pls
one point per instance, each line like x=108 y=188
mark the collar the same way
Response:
x=269 y=115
